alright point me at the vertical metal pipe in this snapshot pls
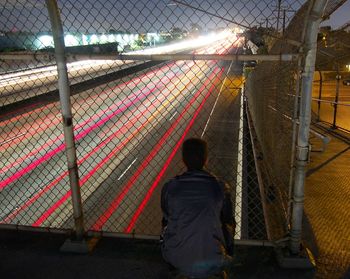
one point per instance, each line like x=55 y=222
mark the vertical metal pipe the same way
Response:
x=319 y=96
x=64 y=91
x=302 y=150
x=338 y=77
x=294 y=135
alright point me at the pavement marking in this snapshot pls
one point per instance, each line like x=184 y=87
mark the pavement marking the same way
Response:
x=171 y=118
x=217 y=98
x=121 y=106
x=86 y=177
x=11 y=139
x=120 y=177
x=149 y=193
x=114 y=205
x=239 y=183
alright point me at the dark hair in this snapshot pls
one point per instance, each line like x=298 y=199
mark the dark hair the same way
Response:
x=194 y=153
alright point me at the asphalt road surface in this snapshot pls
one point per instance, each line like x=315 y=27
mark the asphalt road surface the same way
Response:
x=22 y=85
x=28 y=83
x=127 y=135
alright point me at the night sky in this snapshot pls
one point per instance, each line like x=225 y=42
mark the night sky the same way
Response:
x=140 y=16
x=339 y=17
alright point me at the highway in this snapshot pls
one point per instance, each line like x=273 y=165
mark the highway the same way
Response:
x=327 y=107
x=127 y=134
x=28 y=83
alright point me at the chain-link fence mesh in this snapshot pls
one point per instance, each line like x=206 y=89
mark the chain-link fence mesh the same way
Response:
x=328 y=164
x=271 y=92
x=131 y=116
x=332 y=79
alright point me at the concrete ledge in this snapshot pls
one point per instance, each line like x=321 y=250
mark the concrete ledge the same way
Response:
x=304 y=260
x=79 y=246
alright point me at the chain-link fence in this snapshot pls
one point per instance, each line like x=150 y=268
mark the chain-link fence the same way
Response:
x=129 y=116
x=273 y=92
x=332 y=79
x=326 y=199
x=331 y=116
x=331 y=99
x=143 y=76
x=271 y=98
x=331 y=82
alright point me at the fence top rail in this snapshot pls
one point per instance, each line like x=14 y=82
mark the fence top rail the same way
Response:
x=44 y=56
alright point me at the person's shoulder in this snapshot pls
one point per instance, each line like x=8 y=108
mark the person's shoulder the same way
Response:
x=171 y=184
x=223 y=185
x=172 y=181
x=194 y=175
x=212 y=176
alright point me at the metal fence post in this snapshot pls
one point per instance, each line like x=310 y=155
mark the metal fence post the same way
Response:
x=319 y=96
x=302 y=153
x=338 y=77
x=294 y=136
x=64 y=91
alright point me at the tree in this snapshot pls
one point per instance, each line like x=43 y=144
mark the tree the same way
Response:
x=195 y=29
x=176 y=33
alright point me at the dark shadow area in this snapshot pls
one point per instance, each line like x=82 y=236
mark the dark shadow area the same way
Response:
x=309 y=238
x=347 y=274
x=37 y=255
x=313 y=170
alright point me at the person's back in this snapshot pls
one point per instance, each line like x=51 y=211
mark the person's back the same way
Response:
x=193 y=237
x=193 y=205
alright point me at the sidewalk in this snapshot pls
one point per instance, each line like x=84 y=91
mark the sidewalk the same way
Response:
x=36 y=255
x=327 y=207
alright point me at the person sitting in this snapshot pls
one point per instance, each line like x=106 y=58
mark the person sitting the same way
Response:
x=197 y=222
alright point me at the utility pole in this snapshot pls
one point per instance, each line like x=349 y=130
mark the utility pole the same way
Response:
x=278 y=14
x=284 y=21
x=285 y=10
x=266 y=20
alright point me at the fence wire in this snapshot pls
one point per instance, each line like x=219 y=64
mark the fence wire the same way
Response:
x=332 y=79
x=327 y=179
x=130 y=117
x=331 y=115
x=271 y=98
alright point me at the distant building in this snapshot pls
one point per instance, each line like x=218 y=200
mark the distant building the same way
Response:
x=346 y=27
x=325 y=29
x=44 y=40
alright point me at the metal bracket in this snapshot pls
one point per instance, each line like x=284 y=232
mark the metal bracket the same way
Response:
x=302 y=153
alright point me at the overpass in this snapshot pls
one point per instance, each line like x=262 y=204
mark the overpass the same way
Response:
x=126 y=115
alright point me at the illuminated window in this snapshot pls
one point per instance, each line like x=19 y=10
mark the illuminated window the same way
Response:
x=45 y=41
x=93 y=39
x=70 y=40
x=103 y=39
